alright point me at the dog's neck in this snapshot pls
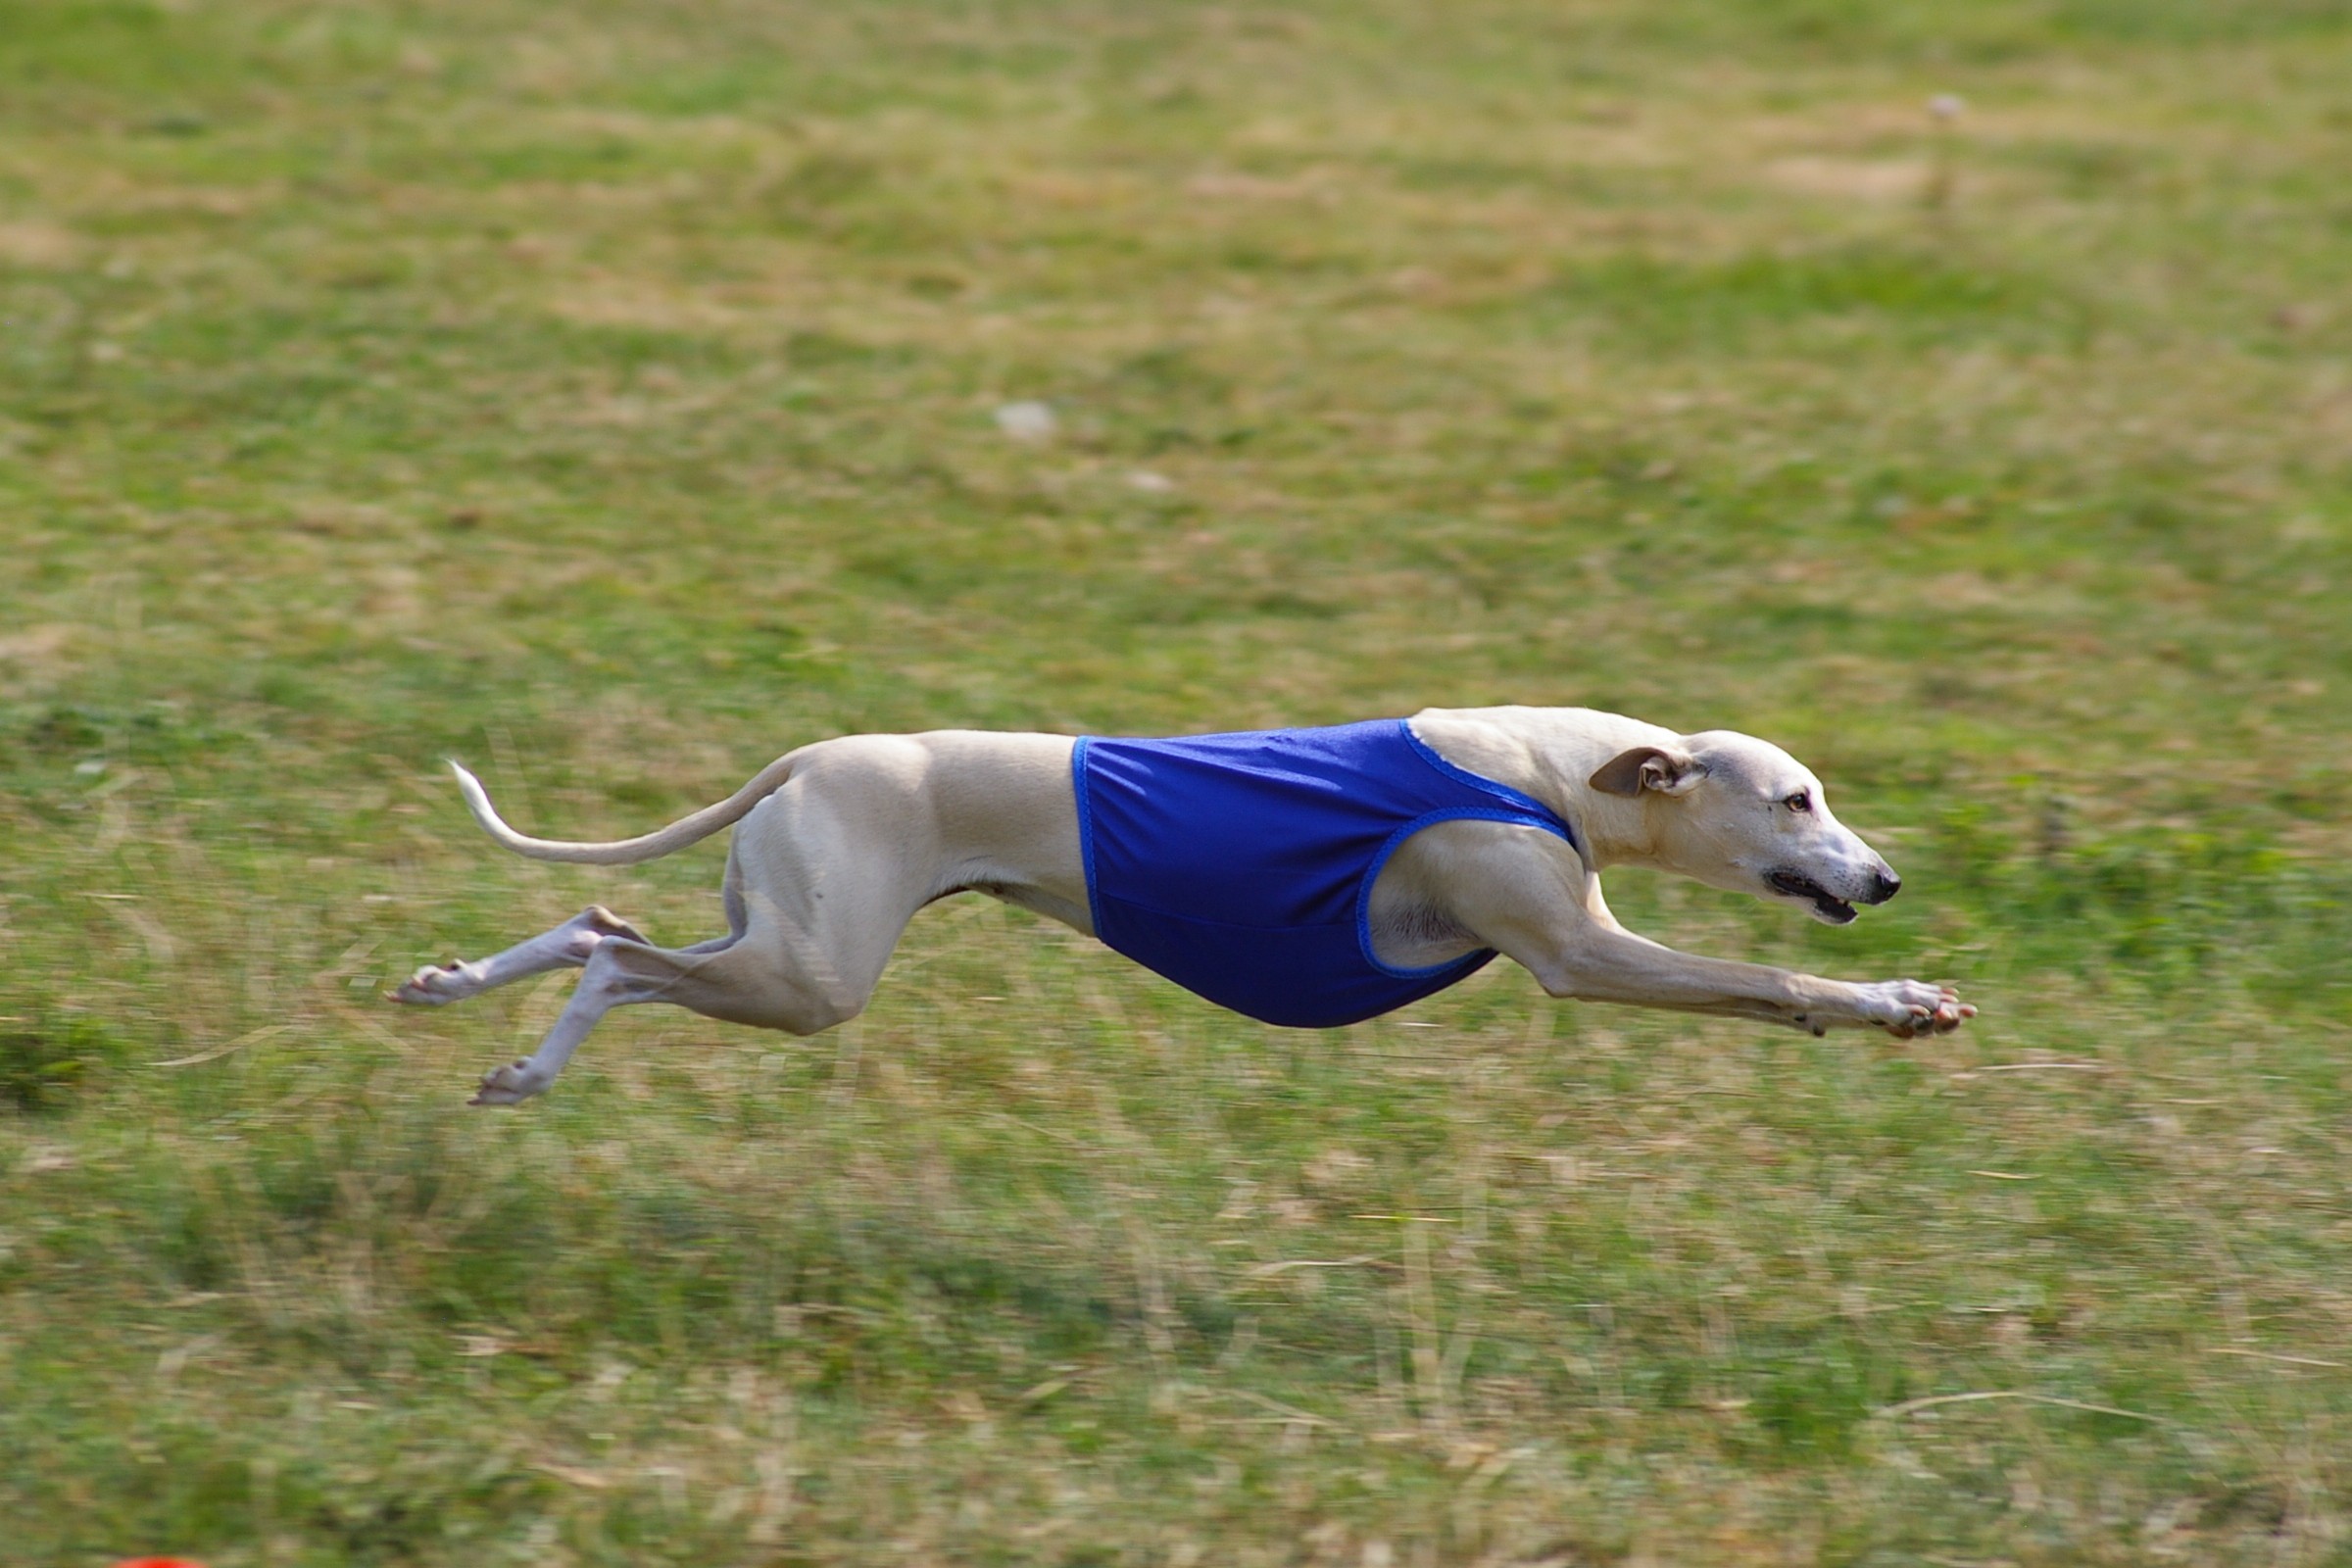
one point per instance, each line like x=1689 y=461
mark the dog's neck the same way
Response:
x=1551 y=754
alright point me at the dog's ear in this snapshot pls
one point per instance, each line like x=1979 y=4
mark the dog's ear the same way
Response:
x=1649 y=767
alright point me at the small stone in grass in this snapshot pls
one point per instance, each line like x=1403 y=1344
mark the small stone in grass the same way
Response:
x=1026 y=420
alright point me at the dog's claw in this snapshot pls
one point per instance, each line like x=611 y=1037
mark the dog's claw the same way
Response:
x=1909 y=1010
x=509 y=1085
x=438 y=983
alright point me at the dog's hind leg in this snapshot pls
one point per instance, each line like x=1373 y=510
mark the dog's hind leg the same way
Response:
x=601 y=989
x=567 y=945
x=822 y=880
x=767 y=977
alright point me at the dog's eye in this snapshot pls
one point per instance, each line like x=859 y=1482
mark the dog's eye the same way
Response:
x=1799 y=802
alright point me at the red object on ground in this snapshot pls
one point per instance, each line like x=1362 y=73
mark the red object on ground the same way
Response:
x=157 y=1562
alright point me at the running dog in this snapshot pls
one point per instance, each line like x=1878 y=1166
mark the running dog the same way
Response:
x=1306 y=877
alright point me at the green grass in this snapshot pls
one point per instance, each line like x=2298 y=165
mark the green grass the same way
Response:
x=603 y=394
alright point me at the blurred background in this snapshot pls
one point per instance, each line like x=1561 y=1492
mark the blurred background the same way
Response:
x=616 y=395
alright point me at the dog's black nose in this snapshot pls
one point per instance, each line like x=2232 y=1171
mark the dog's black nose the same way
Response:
x=1886 y=886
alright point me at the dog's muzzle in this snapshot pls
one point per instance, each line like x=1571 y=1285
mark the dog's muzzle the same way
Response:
x=1827 y=905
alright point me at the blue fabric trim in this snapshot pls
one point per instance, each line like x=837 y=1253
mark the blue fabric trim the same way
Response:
x=1086 y=830
x=1518 y=810
x=1546 y=818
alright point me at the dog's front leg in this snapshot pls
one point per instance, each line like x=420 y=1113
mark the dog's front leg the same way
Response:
x=1529 y=896
x=1596 y=964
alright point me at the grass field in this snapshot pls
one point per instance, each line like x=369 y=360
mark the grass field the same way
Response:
x=603 y=394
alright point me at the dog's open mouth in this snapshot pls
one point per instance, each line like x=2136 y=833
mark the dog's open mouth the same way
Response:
x=1826 y=906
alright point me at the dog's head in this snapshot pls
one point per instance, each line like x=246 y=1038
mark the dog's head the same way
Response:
x=1738 y=813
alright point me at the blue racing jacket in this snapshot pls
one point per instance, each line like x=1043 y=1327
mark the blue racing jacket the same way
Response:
x=1240 y=866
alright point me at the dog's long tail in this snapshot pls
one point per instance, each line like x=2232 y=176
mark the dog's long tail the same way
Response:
x=626 y=852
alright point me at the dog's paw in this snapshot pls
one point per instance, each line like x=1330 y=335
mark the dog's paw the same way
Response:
x=439 y=983
x=511 y=1084
x=1906 y=1008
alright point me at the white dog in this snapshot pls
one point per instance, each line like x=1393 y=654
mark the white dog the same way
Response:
x=1306 y=877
